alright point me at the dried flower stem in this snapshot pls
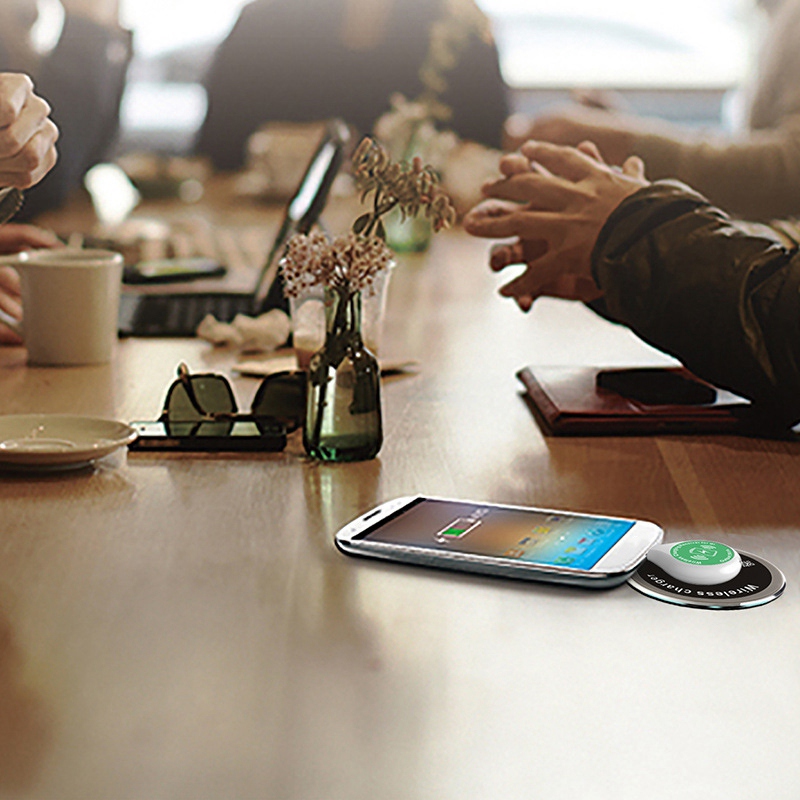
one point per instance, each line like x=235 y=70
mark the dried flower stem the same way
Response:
x=351 y=263
x=412 y=186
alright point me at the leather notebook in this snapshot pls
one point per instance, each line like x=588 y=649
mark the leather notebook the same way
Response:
x=585 y=401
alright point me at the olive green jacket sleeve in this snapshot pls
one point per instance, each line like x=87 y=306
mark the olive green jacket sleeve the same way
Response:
x=720 y=295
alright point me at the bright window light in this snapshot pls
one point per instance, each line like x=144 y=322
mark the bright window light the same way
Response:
x=623 y=43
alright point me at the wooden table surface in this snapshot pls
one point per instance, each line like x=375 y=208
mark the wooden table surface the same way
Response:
x=183 y=627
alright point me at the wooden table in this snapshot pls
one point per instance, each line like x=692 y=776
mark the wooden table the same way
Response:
x=182 y=627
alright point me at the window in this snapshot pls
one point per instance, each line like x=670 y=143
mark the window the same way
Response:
x=622 y=43
x=690 y=52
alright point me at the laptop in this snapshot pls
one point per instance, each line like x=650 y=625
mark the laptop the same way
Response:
x=179 y=314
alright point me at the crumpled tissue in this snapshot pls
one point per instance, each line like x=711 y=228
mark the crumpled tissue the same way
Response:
x=264 y=333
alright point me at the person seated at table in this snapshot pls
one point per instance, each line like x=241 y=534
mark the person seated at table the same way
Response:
x=27 y=154
x=754 y=173
x=309 y=60
x=721 y=295
x=82 y=78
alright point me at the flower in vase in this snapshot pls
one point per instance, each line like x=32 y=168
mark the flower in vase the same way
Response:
x=346 y=264
x=343 y=409
x=351 y=263
x=412 y=187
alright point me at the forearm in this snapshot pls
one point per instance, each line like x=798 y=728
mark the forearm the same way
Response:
x=721 y=296
x=756 y=176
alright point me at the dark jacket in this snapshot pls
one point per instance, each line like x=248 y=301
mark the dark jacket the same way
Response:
x=720 y=295
x=283 y=61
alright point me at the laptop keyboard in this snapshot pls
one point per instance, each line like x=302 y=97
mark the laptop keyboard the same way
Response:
x=179 y=313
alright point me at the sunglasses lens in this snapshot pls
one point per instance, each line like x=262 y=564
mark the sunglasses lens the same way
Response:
x=212 y=394
x=283 y=397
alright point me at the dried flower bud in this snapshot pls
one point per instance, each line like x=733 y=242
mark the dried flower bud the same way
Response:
x=347 y=263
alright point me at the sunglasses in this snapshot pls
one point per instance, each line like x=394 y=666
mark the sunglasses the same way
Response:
x=204 y=405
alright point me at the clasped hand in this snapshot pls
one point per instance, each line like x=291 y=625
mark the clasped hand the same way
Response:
x=27 y=134
x=552 y=201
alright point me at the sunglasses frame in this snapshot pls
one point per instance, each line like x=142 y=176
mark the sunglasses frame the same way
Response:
x=185 y=378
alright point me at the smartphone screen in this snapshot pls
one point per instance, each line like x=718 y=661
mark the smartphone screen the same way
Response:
x=556 y=539
x=657 y=386
x=173 y=270
x=224 y=436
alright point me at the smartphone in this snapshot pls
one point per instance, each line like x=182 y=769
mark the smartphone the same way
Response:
x=508 y=541
x=656 y=386
x=231 y=436
x=173 y=270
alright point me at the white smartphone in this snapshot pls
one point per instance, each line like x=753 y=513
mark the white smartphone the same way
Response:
x=509 y=541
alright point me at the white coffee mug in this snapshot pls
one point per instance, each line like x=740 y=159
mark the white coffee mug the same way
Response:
x=70 y=304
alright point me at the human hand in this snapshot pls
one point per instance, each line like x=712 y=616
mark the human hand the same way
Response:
x=554 y=201
x=11 y=303
x=605 y=99
x=614 y=133
x=27 y=134
x=13 y=239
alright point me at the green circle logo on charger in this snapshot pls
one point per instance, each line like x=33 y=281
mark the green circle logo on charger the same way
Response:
x=702 y=553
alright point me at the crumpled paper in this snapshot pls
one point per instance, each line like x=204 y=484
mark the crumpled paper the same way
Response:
x=259 y=334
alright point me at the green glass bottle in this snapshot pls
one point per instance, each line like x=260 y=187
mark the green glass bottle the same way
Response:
x=343 y=411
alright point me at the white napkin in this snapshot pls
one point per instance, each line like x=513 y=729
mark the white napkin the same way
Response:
x=251 y=334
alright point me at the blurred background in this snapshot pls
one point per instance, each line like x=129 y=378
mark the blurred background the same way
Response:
x=660 y=56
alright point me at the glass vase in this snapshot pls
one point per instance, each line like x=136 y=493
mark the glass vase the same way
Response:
x=343 y=411
x=409 y=235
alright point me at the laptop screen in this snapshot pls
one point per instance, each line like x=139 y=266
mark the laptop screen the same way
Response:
x=307 y=203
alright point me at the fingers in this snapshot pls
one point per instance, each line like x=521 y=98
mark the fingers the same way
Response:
x=15 y=89
x=28 y=122
x=14 y=238
x=525 y=302
x=567 y=162
x=27 y=134
x=9 y=283
x=634 y=168
x=37 y=157
x=530 y=284
x=10 y=303
x=514 y=164
x=498 y=219
x=519 y=252
x=492 y=219
x=541 y=192
x=504 y=255
x=590 y=149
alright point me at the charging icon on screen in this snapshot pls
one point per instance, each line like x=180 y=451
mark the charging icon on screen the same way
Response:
x=456 y=529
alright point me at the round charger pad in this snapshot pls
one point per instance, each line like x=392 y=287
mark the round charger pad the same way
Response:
x=758 y=582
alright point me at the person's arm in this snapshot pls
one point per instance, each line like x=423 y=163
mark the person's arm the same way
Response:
x=755 y=175
x=720 y=295
x=83 y=80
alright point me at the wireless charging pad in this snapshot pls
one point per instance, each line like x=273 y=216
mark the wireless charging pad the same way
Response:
x=757 y=582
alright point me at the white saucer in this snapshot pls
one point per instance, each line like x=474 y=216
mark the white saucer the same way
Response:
x=58 y=441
